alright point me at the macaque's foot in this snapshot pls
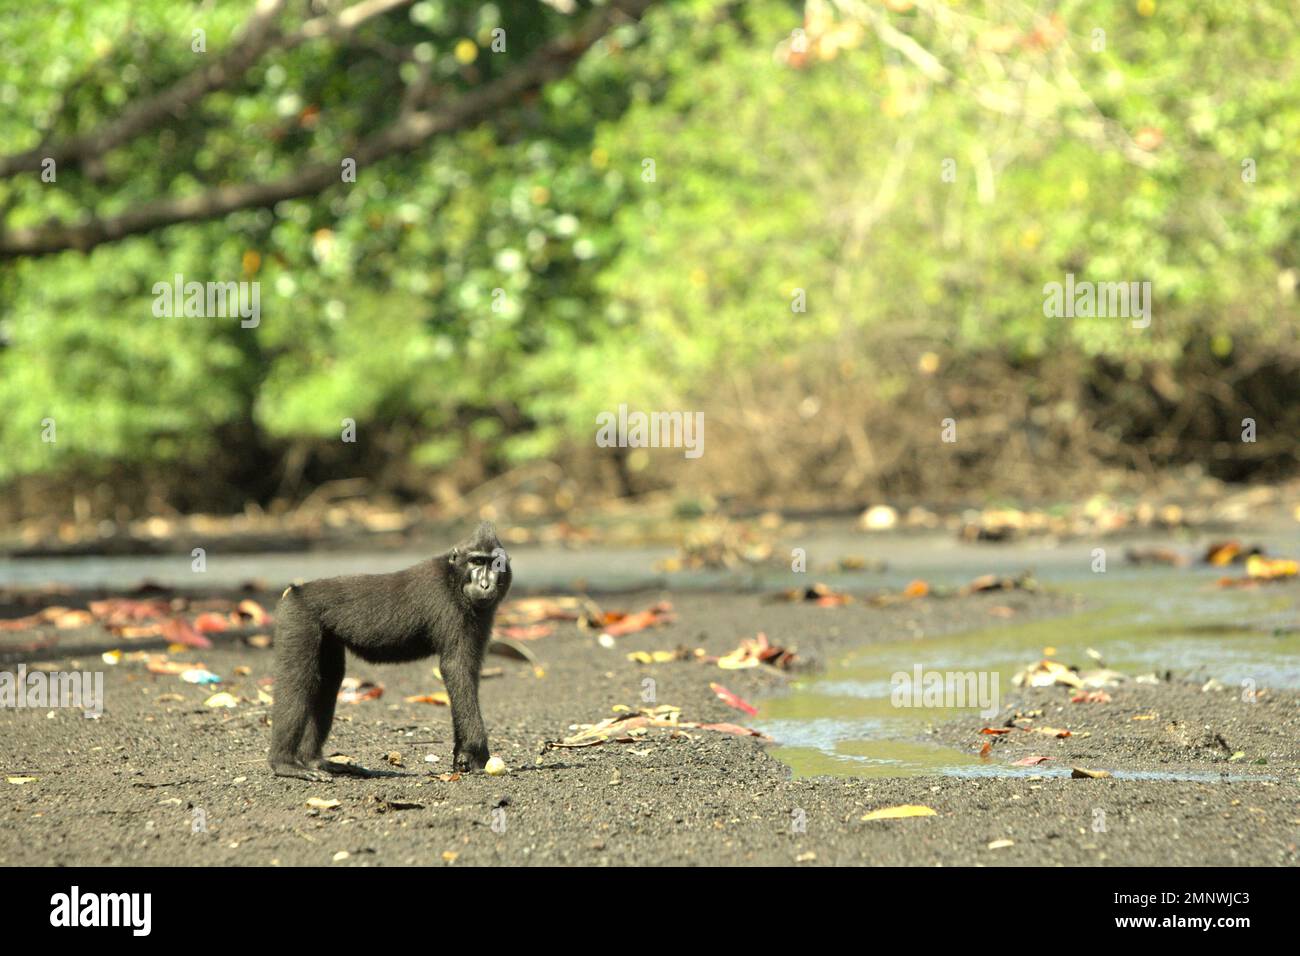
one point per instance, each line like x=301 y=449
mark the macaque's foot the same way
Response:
x=470 y=757
x=342 y=769
x=300 y=772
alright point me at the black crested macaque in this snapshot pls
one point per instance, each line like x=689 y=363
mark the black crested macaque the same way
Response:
x=442 y=606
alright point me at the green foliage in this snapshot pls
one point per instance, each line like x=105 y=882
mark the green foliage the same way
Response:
x=499 y=288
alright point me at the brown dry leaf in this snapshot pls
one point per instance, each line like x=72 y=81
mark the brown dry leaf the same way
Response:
x=899 y=813
x=1222 y=553
x=986 y=749
x=995 y=582
x=1045 y=673
x=755 y=651
x=1051 y=731
x=916 y=589
x=818 y=593
x=995 y=731
x=1083 y=773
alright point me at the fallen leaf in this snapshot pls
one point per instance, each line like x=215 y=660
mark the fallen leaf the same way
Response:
x=438 y=697
x=1001 y=844
x=19 y=781
x=1091 y=697
x=898 y=813
x=1083 y=773
x=222 y=700
x=731 y=700
x=618 y=624
x=355 y=690
x=1031 y=761
x=1261 y=568
x=320 y=803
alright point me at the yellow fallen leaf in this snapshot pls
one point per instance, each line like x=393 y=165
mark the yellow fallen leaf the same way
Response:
x=21 y=780
x=320 y=803
x=222 y=700
x=1001 y=844
x=450 y=855
x=897 y=813
x=1268 y=569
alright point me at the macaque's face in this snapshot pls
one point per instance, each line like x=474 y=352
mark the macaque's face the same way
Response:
x=483 y=568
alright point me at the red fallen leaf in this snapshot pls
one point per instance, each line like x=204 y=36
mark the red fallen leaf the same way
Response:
x=1091 y=697
x=112 y=611
x=736 y=729
x=988 y=746
x=178 y=631
x=210 y=622
x=1031 y=761
x=618 y=624
x=995 y=730
x=731 y=700
x=526 y=632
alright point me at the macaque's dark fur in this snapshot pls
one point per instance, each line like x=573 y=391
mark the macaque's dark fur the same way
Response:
x=442 y=606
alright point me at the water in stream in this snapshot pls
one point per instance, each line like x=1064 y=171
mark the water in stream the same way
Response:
x=842 y=723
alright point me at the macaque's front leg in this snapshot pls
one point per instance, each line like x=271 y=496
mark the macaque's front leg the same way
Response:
x=460 y=673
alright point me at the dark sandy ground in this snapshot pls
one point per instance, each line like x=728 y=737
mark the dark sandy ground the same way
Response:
x=128 y=787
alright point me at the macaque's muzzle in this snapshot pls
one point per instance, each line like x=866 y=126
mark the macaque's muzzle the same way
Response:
x=485 y=583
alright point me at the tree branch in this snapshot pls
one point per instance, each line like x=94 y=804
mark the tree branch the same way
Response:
x=259 y=35
x=409 y=131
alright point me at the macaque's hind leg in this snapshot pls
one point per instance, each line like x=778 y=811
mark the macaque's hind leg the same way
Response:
x=322 y=713
x=298 y=682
